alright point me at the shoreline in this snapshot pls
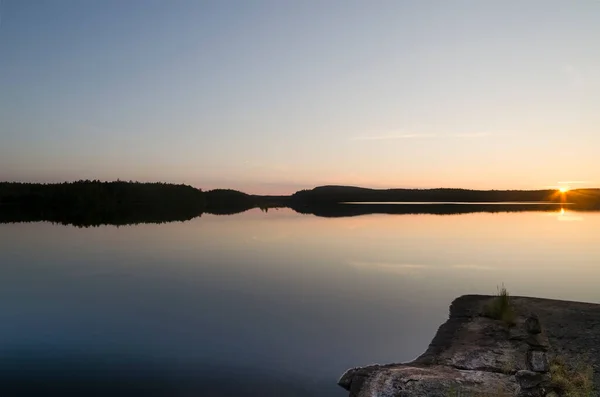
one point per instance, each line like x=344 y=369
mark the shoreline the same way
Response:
x=94 y=203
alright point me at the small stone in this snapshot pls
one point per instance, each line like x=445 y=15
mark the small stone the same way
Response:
x=538 y=361
x=532 y=324
x=539 y=341
x=529 y=379
x=517 y=333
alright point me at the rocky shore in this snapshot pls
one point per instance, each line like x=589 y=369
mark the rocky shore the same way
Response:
x=550 y=348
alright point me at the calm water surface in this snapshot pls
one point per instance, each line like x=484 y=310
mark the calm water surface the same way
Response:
x=262 y=304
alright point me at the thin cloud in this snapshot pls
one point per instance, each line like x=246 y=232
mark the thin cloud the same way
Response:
x=419 y=136
x=388 y=265
x=391 y=136
x=472 y=135
x=472 y=267
x=574 y=182
x=399 y=268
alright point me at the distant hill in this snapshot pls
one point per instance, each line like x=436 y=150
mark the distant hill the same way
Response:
x=343 y=194
x=228 y=201
x=347 y=210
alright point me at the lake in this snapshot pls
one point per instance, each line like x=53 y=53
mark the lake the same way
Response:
x=262 y=304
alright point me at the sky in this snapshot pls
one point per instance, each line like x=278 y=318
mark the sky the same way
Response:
x=274 y=96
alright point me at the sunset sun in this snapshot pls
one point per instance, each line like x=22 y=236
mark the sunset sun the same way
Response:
x=563 y=189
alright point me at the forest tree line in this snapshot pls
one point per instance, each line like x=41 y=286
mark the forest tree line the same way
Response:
x=95 y=202
x=90 y=203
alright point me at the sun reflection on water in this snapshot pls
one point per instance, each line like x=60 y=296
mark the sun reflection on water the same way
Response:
x=566 y=216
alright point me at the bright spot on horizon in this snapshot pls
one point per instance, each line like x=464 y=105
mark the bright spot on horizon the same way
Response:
x=564 y=189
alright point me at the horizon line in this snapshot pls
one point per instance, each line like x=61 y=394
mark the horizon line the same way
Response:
x=547 y=188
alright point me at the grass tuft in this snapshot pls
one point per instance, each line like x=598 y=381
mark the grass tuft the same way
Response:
x=508 y=367
x=575 y=381
x=500 y=308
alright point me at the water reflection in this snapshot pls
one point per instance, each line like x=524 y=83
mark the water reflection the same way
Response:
x=570 y=216
x=18 y=214
x=257 y=303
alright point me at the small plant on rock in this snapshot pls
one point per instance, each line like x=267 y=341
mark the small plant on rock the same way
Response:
x=501 y=308
x=508 y=367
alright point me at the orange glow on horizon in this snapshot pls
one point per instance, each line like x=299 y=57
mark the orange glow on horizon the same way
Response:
x=563 y=189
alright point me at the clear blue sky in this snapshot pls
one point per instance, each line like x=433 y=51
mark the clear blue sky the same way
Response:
x=269 y=96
